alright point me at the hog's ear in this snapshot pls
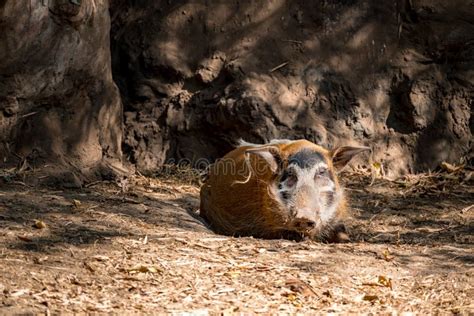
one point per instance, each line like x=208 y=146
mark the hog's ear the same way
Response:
x=270 y=154
x=342 y=155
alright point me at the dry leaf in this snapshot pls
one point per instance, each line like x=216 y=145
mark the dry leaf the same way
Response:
x=370 y=297
x=468 y=176
x=377 y=171
x=40 y=260
x=20 y=293
x=386 y=255
x=301 y=287
x=230 y=310
x=39 y=224
x=143 y=269
x=291 y=297
x=450 y=168
x=233 y=273
x=327 y=293
x=100 y=258
x=89 y=267
x=76 y=203
x=450 y=177
x=24 y=238
x=384 y=281
x=294 y=300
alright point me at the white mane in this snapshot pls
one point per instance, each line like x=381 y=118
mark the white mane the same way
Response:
x=242 y=142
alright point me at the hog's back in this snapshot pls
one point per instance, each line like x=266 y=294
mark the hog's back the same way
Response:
x=234 y=203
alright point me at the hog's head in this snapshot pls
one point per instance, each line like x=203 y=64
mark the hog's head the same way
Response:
x=305 y=184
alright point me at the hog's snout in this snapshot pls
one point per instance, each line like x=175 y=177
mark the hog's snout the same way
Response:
x=305 y=220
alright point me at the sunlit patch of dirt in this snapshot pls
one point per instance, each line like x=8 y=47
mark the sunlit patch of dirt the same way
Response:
x=138 y=245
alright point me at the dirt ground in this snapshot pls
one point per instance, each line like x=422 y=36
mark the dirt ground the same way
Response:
x=138 y=246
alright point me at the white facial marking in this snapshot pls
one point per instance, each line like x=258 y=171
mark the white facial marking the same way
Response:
x=317 y=187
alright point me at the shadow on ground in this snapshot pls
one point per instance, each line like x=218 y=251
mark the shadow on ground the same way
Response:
x=384 y=213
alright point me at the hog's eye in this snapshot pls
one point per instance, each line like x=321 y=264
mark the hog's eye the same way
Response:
x=320 y=173
x=291 y=181
x=289 y=178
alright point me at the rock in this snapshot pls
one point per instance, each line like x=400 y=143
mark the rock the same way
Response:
x=210 y=68
x=9 y=105
x=363 y=81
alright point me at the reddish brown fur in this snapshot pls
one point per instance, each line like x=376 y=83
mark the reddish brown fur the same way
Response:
x=243 y=209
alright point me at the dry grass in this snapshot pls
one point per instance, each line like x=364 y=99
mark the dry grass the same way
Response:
x=138 y=246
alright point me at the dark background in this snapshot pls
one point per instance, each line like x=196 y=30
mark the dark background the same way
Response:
x=99 y=84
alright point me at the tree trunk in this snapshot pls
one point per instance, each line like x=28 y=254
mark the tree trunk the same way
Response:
x=58 y=102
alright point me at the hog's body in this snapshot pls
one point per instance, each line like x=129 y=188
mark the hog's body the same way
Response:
x=281 y=189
